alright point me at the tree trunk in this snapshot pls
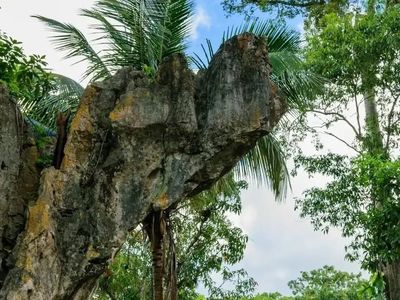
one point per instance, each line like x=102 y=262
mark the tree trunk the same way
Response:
x=155 y=226
x=170 y=270
x=373 y=142
x=392 y=280
x=136 y=144
x=374 y=145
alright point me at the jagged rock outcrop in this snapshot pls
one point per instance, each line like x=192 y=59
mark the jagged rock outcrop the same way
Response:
x=19 y=177
x=135 y=144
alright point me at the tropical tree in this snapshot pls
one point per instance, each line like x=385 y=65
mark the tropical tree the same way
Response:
x=328 y=283
x=362 y=96
x=26 y=77
x=313 y=9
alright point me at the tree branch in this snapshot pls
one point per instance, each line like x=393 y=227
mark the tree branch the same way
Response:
x=358 y=115
x=343 y=141
x=302 y=4
x=342 y=117
x=195 y=238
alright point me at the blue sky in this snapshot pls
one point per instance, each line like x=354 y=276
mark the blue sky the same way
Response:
x=281 y=244
x=211 y=22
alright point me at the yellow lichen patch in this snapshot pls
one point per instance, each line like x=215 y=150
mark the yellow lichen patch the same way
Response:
x=74 y=155
x=26 y=264
x=26 y=278
x=255 y=119
x=39 y=219
x=91 y=253
x=121 y=111
x=80 y=133
x=82 y=120
x=163 y=201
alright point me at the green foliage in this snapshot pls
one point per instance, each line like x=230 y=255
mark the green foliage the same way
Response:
x=375 y=287
x=350 y=49
x=350 y=202
x=44 y=139
x=44 y=161
x=25 y=76
x=270 y=296
x=40 y=94
x=286 y=8
x=65 y=95
x=206 y=243
x=350 y=52
x=129 y=276
x=130 y=33
x=328 y=284
x=363 y=69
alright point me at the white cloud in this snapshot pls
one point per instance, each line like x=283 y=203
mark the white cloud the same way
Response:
x=201 y=18
x=281 y=244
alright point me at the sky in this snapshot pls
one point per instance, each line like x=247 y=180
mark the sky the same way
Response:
x=281 y=244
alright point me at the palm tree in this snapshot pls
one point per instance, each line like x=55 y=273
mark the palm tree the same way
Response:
x=140 y=33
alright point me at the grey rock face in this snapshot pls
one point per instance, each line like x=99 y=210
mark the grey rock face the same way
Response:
x=19 y=177
x=135 y=144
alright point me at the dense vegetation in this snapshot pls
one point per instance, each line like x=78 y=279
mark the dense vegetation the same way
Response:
x=361 y=77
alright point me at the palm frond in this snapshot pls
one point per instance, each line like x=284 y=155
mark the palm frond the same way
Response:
x=116 y=39
x=69 y=39
x=283 y=44
x=125 y=29
x=136 y=33
x=174 y=26
x=300 y=87
x=208 y=53
x=65 y=95
x=278 y=37
x=265 y=163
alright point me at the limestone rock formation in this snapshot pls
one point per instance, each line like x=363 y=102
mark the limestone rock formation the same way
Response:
x=19 y=177
x=136 y=143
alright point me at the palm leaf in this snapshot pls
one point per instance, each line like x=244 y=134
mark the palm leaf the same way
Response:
x=126 y=27
x=174 y=26
x=278 y=37
x=265 y=164
x=69 y=39
x=299 y=86
x=65 y=95
x=116 y=39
